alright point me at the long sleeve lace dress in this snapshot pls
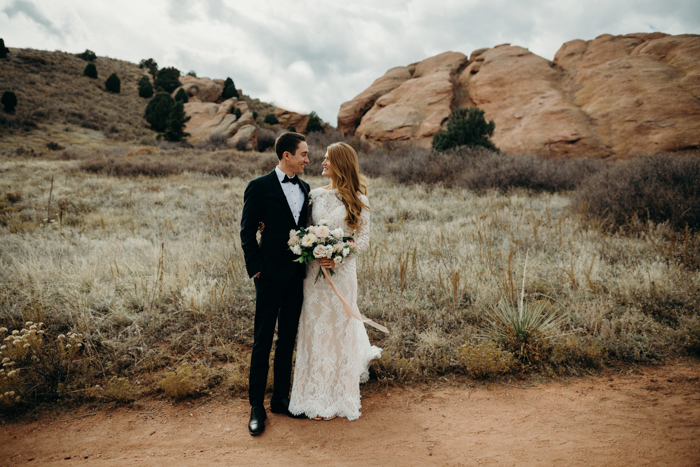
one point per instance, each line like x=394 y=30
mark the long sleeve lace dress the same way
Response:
x=333 y=350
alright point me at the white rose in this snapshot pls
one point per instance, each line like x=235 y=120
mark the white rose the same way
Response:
x=320 y=251
x=322 y=231
x=338 y=233
x=322 y=222
x=338 y=247
x=329 y=251
x=296 y=249
x=308 y=239
x=346 y=251
x=338 y=259
x=293 y=241
x=293 y=234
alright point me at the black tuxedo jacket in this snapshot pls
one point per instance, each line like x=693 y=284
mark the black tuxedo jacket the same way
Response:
x=264 y=201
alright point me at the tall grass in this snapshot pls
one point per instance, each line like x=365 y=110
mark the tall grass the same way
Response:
x=148 y=268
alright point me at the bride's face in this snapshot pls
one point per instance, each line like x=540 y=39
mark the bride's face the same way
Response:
x=327 y=170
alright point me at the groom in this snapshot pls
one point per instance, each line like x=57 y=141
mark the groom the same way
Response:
x=279 y=202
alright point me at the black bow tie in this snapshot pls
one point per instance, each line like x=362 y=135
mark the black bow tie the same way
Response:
x=294 y=180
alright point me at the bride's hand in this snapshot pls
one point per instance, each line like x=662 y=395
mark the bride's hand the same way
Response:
x=327 y=263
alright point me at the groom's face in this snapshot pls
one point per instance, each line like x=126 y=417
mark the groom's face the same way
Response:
x=299 y=159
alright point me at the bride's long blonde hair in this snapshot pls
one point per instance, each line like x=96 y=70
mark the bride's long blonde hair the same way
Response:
x=349 y=181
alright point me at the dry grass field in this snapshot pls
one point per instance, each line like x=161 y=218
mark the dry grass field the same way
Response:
x=140 y=284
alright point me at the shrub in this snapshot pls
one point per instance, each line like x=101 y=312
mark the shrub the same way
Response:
x=150 y=65
x=158 y=111
x=658 y=188
x=266 y=139
x=88 y=55
x=8 y=101
x=314 y=123
x=145 y=88
x=113 y=83
x=3 y=50
x=175 y=124
x=90 y=71
x=255 y=115
x=184 y=381
x=117 y=389
x=192 y=73
x=485 y=360
x=168 y=79
x=270 y=119
x=230 y=89
x=237 y=112
x=293 y=129
x=182 y=96
x=466 y=127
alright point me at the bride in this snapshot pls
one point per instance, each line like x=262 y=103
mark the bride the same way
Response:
x=333 y=350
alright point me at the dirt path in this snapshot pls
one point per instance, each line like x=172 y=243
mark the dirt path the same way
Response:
x=648 y=418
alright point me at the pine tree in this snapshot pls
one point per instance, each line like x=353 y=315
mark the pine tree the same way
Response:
x=314 y=123
x=175 y=125
x=145 y=88
x=113 y=83
x=149 y=64
x=88 y=55
x=237 y=113
x=270 y=119
x=168 y=79
x=3 y=50
x=182 y=96
x=158 y=111
x=90 y=71
x=229 y=89
x=9 y=101
x=466 y=127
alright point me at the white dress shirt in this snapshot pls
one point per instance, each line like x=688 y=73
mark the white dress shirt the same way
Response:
x=293 y=193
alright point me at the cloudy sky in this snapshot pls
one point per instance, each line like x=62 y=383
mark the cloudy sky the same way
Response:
x=308 y=55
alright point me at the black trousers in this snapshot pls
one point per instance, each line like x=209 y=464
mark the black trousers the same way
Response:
x=275 y=302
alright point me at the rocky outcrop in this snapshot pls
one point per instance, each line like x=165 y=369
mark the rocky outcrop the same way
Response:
x=612 y=96
x=201 y=89
x=289 y=119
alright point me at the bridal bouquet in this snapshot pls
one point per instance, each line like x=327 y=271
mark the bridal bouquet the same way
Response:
x=319 y=241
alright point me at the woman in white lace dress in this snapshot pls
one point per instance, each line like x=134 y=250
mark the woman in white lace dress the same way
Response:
x=333 y=350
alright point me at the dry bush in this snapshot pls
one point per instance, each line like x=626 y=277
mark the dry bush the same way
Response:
x=117 y=389
x=485 y=360
x=187 y=380
x=658 y=188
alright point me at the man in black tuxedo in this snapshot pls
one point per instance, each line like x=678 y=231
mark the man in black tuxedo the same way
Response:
x=279 y=203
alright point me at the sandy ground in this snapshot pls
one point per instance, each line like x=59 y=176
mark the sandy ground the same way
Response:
x=648 y=417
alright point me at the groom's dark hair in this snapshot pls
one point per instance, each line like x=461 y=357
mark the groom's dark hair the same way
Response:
x=288 y=142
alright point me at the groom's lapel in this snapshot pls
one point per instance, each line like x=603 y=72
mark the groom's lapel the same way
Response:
x=304 y=207
x=278 y=189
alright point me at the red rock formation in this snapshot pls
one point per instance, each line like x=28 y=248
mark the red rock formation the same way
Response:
x=612 y=96
x=289 y=119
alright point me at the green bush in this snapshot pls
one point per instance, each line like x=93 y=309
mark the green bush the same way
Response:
x=485 y=360
x=466 y=127
x=90 y=71
x=149 y=64
x=113 y=83
x=175 y=124
x=237 y=113
x=182 y=96
x=88 y=55
x=229 y=89
x=270 y=119
x=3 y=50
x=314 y=123
x=255 y=115
x=168 y=79
x=9 y=101
x=192 y=73
x=145 y=88
x=158 y=111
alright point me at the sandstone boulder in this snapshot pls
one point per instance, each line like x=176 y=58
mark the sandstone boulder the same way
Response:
x=201 y=89
x=245 y=138
x=416 y=109
x=612 y=96
x=288 y=119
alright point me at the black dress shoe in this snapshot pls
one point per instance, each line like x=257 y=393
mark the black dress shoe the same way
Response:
x=282 y=407
x=256 y=425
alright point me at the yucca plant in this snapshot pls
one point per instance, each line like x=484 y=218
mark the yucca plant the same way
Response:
x=526 y=328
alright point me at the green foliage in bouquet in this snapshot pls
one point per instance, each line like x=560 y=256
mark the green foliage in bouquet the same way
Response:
x=466 y=127
x=113 y=84
x=90 y=71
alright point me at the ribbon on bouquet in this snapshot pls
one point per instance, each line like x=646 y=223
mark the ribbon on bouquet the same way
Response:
x=349 y=310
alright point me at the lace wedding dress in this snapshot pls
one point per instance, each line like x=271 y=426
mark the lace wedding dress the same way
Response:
x=333 y=350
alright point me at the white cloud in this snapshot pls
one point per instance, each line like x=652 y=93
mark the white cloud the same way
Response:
x=312 y=54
